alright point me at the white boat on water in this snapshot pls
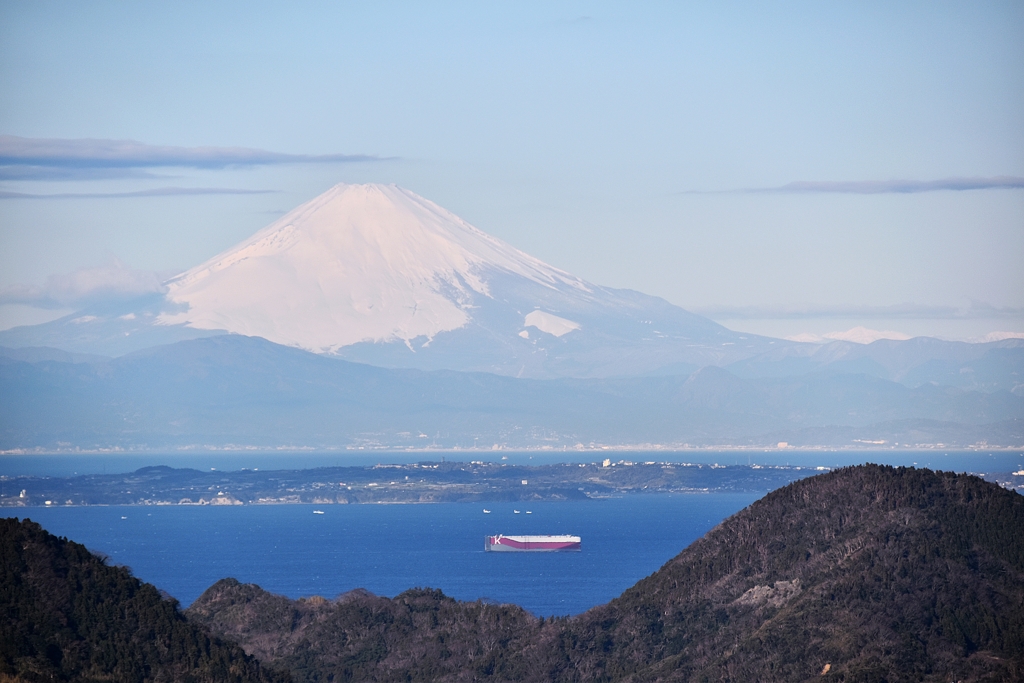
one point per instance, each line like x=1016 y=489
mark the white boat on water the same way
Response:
x=487 y=512
x=318 y=512
x=516 y=511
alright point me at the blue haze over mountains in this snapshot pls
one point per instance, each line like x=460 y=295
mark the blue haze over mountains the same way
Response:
x=246 y=391
x=481 y=345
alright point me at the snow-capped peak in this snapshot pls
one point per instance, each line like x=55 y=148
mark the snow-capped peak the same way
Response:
x=358 y=263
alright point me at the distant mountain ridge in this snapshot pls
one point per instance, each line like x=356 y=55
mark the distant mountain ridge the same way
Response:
x=378 y=274
x=246 y=391
x=374 y=275
x=987 y=367
x=864 y=574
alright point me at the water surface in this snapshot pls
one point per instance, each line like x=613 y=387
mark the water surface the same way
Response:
x=387 y=549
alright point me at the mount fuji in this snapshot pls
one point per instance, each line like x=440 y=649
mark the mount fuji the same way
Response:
x=380 y=275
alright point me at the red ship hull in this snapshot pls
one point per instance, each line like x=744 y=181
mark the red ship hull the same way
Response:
x=502 y=543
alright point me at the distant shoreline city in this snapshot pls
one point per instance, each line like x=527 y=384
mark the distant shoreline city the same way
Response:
x=421 y=482
x=866 y=448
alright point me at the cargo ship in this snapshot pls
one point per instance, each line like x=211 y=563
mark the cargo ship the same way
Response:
x=502 y=543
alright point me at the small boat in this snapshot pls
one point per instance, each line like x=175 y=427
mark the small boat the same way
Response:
x=486 y=511
x=529 y=512
x=318 y=512
x=516 y=511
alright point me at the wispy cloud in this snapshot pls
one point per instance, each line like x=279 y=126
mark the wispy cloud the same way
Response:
x=881 y=186
x=50 y=173
x=58 y=159
x=155 y=192
x=902 y=186
x=115 y=281
x=977 y=310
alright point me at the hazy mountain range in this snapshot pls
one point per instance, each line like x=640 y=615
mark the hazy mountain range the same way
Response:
x=246 y=391
x=377 y=274
x=461 y=340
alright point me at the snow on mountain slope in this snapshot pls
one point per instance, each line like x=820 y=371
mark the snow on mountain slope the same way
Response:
x=552 y=324
x=379 y=275
x=359 y=263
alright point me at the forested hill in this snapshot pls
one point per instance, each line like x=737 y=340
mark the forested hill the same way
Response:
x=67 y=616
x=864 y=574
x=873 y=573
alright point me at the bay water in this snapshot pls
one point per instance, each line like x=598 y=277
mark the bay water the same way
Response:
x=386 y=549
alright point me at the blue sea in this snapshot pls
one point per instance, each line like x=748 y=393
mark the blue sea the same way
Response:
x=386 y=549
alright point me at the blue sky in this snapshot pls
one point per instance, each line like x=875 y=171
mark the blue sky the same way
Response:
x=799 y=167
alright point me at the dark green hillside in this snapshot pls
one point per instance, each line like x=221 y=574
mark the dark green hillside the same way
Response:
x=878 y=573
x=67 y=616
x=420 y=635
x=866 y=574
